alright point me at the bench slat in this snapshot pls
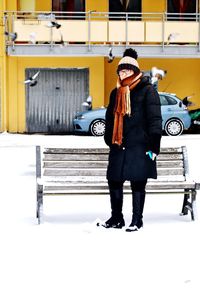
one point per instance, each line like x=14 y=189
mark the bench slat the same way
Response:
x=102 y=164
x=100 y=179
x=75 y=157
x=62 y=188
x=100 y=157
x=61 y=150
x=75 y=164
x=100 y=171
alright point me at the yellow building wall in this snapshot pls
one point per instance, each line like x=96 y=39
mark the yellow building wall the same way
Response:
x=11 y=5
x=110 y=78
x=2 y=70
x=1 y=92
x=2 y=5
x=43 y=5
x=3 y=97
x=1 y=31
x=102 y=5
x=38 y=5
x=16 y=88
x=26 y=5
x=182 y=76
x=154 y=6
x=12 y=94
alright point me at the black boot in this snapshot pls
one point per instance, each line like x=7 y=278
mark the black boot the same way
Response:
x=138 y=207
x=116 y=200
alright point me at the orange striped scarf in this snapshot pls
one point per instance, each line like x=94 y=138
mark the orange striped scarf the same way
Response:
x=122 y=105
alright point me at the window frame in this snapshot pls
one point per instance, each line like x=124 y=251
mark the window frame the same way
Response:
x=71 y=14
x=186 y=16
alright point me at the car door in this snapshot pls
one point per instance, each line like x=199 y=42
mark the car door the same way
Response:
x=168 y=108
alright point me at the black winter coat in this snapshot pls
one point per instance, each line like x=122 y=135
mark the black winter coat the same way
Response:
x=141 y=132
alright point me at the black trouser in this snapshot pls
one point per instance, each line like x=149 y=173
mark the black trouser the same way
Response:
x=138 y=198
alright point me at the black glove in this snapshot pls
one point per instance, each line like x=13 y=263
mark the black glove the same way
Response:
x=154 y=143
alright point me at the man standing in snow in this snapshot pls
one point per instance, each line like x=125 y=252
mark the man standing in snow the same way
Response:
x=133 y=133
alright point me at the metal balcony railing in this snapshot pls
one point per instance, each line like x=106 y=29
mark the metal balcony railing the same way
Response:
x=100 y=28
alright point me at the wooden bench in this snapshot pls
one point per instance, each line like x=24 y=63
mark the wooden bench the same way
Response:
x=62 y=171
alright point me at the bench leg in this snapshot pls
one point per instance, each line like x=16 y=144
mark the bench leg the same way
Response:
x=184 y=210
x=189 y=205
x=39 y=210
x=193 y=198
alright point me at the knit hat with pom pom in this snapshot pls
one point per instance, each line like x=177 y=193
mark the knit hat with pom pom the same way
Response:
x=129 y=61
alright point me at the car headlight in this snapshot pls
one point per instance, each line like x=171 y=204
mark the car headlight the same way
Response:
x=80 y=116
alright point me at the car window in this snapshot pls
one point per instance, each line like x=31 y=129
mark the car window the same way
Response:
x=163 y=100
x=171 y=101
x=166 y=100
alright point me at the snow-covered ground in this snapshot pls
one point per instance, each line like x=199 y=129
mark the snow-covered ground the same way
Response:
x=68 y=257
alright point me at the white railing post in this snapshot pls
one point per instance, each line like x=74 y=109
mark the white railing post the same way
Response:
x=89 y=29
x=12 y=30
x=163 y=31
x=126 y=28
x=51 y=32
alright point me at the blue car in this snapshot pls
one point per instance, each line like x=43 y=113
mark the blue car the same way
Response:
x=175 y=117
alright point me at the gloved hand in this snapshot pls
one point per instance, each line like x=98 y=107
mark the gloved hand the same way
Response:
x=151 y=155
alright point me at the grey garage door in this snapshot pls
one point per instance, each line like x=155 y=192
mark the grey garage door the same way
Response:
x=52 y=103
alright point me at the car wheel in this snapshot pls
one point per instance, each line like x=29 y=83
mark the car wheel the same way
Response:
x=174 y=127
x=97 y=127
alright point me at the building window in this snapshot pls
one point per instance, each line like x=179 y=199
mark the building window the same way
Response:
x=70 y=6
x=127 y=6
x=182 y=10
